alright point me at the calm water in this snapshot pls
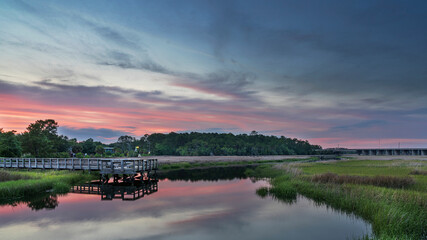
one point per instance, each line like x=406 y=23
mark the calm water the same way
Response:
x=180 y=209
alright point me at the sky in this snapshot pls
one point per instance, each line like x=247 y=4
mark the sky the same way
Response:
x=337 y=73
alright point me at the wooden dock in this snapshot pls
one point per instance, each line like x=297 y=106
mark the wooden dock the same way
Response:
x=127 y=166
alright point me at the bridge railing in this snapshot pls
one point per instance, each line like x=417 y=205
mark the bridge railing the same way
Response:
x=104 y=165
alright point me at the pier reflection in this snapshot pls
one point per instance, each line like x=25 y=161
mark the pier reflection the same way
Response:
x=126 y=191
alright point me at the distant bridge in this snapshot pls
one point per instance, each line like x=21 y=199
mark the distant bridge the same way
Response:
x=393 y=151
x=376 y=151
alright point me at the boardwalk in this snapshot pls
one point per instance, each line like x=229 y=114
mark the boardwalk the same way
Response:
x=102 y=165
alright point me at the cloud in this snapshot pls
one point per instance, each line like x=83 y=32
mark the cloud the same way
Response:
x=359 y=125
x=127 y=61
x=227 y=84
x=114 y=36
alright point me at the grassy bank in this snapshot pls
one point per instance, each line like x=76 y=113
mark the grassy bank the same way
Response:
x=21 y=184
x=387 y=194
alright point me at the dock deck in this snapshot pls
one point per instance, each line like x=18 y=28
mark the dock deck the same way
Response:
x=102 y=165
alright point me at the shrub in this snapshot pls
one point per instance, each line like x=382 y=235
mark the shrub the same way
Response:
x=62 y=155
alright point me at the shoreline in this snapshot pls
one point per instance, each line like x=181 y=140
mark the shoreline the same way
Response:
x=200 y=159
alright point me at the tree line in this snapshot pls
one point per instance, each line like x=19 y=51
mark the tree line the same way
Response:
x=41 y=139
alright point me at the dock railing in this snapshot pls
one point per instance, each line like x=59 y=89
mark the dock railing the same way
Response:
x=103 y=165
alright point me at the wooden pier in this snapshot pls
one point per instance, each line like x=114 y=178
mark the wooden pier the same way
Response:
x=128 y=166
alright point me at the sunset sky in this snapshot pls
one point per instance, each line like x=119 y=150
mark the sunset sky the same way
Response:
x=333 y=72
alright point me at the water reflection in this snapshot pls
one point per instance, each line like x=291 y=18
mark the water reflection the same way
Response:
x=46 y=201
x=126 y=191
x=49 y=202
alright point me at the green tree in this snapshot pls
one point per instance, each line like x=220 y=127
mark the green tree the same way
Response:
x=40 y=137
x=9 y=144
x=99 y=150
x=88 y=146
x=77 y=148
x=126 y=143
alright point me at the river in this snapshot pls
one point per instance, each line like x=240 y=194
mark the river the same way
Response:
x=184 y=205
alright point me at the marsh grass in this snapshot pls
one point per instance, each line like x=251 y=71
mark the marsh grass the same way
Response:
x=11 y=176
x=262 y=192
x=418 y=172
x=283 y=189
x=380 y=192
x=393 y=214
x=39 y=182
x=381 y=181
